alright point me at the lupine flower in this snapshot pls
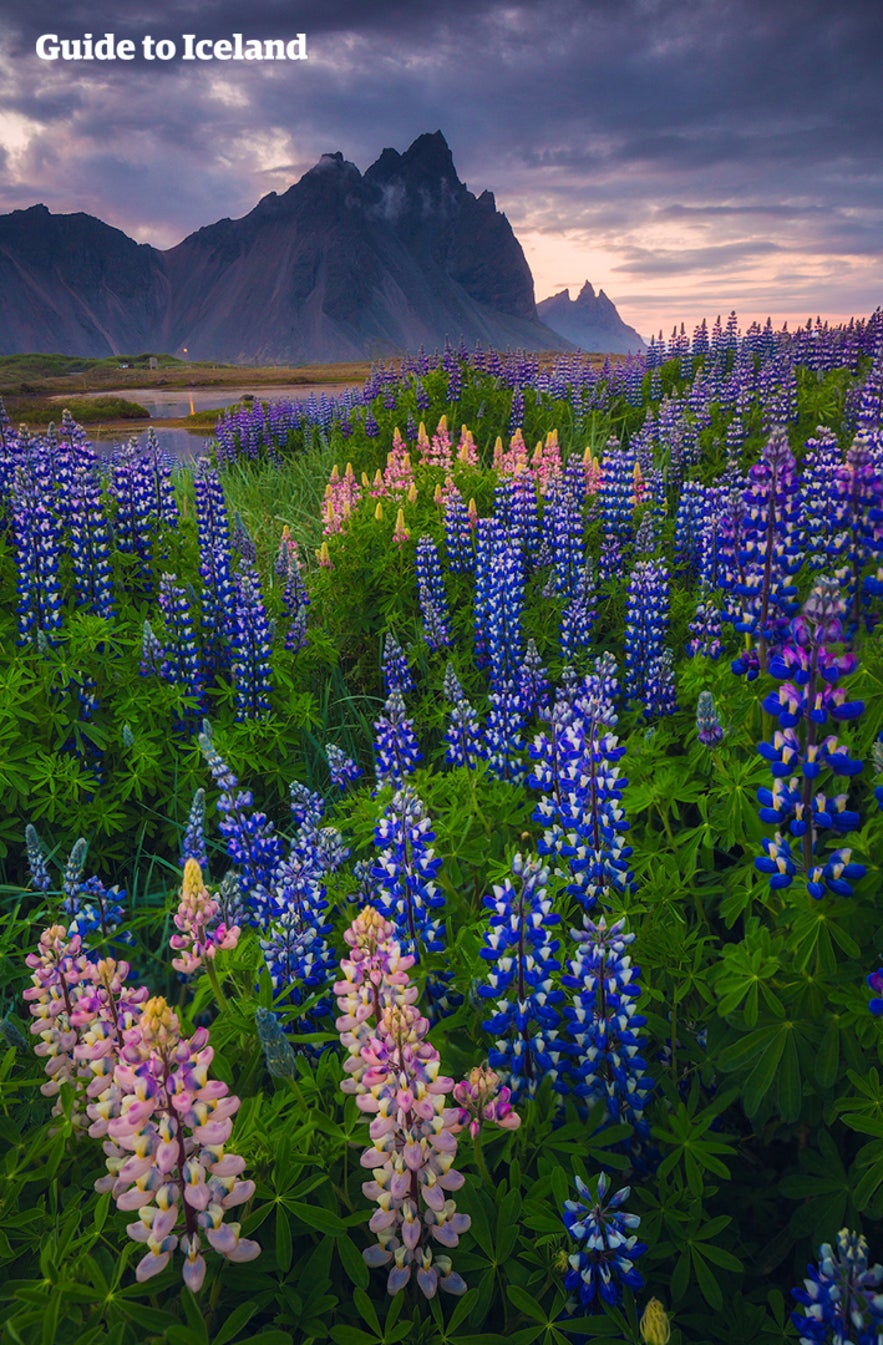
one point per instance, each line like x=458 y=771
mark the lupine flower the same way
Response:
x=605 y=1027
x=705 y=629
x=483 y=1099
x=193 y=845
x=58 y=969
x=95 y=909
x=73 y=869
x=843 y=1296
x=608 y=1245
x=395 y=744
x=521 y=979
x=654 y=1324
x=458 y=532
x=199 y=935
x=153 y=655
x=397 y=674
x=406 y=892
x=251 y=841
x=37 y=860
x=279 y=1054
x=802 y=705
x=344 y=771
x=215 y=565
x=504 y=733
x=431 y=591
x=647 y=614
x=36 y=534
x=463 y=733
x=89 y=541
x=394 y=1073
x=175 y=1122
x=251 y=646
x=182 y=662
x=707 y=723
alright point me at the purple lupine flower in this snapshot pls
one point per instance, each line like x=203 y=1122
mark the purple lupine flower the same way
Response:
x=182 y=663
x=458 y=532
x=802 y=705
x=705 y=630
x=152 y=653
x=707 y=723
x=344 y=771
x=875 y=981
x=36 y=534
x=251 y=841
x=218 y=597
x=504 y=733
x=89 y=542
x=37 y=860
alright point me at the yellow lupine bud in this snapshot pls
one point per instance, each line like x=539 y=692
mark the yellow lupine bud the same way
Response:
x=378 y=477
x=655 y=1329
x=412 y=492
x=335 y=474
x=365 y=480
x=437 y=495
x=378 y=512
x=442 y=425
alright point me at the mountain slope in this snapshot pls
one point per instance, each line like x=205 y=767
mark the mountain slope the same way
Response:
x=341 y=266
x=589 y=321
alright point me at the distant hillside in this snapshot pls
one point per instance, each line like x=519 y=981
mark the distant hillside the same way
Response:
x=589 y=321
x=342 y=266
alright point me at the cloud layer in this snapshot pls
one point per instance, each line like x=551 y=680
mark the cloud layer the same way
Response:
x=689 y=159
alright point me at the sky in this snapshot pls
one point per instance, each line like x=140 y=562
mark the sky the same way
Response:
x=689 y=158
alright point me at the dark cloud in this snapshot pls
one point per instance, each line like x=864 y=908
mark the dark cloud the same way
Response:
x=676 y=140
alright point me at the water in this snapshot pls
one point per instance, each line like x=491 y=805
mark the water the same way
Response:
x=175 y=403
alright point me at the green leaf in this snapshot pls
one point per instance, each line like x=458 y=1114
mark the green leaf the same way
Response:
x=349 y=1335
x=283 y=1240
x=525 y=1302
x=763 y=1075
x=828 y=1056
x=711 y=1290
x=353 y=1262
x=316 y=1216
x=234 y=1323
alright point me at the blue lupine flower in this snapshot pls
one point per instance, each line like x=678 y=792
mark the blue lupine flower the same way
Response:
x=152 y=653
x=533 y=681
x=36 y=533
x=394 y=665
x=251 y=646
x=604 y=1025
x=843 y=1296
x=193 y=845
x=182 y=663
x=295 y=601
x=93 y=908
x=798 y=752
x=396 y=752
x=404 y=873
x=458 y=532
x=646 y=623
x=344 y=771
x=463 y=733
x=504 y=742
x=705 y=629
x=617 y=493
x=73 y=869
x=431 y=592
x=252 y=843
x=37 y=860
x=578 y=617
x=89 y=541
x=218 y=597
x=521 y=979
x=609 y=1246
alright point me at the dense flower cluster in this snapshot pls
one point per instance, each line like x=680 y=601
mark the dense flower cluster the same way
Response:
x=200 y=934
x=394 y=1072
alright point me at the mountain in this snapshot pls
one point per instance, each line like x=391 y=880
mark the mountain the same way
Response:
x=589 y=321
x=342 y=266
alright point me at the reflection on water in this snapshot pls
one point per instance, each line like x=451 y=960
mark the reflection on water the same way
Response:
x=181 y=445
x=174 y=403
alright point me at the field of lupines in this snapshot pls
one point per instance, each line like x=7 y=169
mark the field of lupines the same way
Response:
x=441 y=866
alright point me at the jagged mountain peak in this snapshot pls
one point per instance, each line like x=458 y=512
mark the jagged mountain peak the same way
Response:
x=340 y=266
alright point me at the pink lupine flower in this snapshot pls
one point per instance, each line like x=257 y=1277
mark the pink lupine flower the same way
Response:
x=174 y=1121
x=399 y=474
x=546 y=463
x=196 y=912
x=441 y=447
x=394 y=1072
x=467 y=452
x=60 y=974
x=400 y=534
x=513 y=459
x=483 y=1098
x=424 y=448
x=592 y=468
x=341 y=495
